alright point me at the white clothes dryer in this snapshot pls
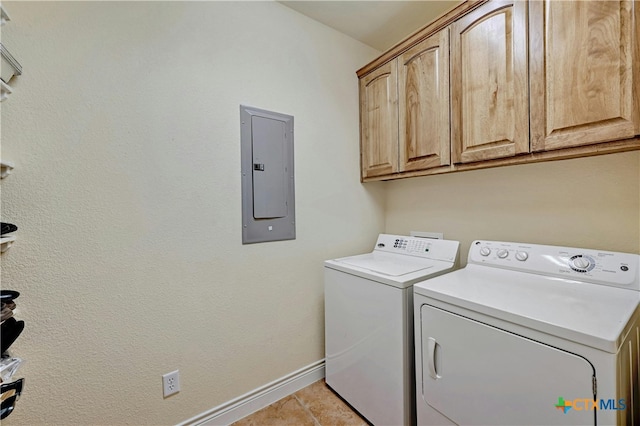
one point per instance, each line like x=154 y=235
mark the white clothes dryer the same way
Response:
x=369 y=323
x=530 y=335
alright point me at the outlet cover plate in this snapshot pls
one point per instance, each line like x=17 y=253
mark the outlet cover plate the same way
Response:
x=171 y=383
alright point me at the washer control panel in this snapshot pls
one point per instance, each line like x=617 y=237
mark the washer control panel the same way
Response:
x=421 y=247
x=602 y=267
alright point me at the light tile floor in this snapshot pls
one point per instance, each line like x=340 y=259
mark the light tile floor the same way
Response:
x=315 y=405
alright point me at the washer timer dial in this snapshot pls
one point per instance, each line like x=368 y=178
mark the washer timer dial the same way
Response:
x=581 y=263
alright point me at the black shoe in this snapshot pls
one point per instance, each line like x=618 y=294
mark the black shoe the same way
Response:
x=7 y=228
x=9 y=332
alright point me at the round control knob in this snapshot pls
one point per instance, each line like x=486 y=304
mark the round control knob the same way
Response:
x=503 y=253
x=522 y=256
x=485 y=251
x=581 y=263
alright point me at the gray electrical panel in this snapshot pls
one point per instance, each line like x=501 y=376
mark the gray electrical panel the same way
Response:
x=268 y=195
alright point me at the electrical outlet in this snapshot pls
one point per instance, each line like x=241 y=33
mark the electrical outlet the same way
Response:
x=171 y=383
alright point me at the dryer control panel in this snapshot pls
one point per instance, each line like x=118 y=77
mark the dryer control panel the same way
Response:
x=445 y=250
x=594 y=266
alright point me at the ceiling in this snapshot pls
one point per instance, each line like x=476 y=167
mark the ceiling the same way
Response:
x=379 y=24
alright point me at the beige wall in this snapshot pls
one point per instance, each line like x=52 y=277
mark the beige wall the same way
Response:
x=125 y=133
x=588 y=202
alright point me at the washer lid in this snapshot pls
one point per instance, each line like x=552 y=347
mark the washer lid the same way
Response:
x=396 y=270
x=386 y=264
x=589 y=314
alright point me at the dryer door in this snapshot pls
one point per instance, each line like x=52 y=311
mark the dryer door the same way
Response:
x=476 y=374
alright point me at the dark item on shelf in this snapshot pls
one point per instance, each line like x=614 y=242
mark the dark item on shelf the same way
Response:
x=9 y=403
x=10 y=304
x=7 y=296
x=7 y=310
x=7 y=228
x=9 y=332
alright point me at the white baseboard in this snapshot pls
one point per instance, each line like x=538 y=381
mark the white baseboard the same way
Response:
x=259 y=398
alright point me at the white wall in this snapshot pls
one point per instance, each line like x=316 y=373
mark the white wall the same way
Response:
x=587 y=202
x=125 y=133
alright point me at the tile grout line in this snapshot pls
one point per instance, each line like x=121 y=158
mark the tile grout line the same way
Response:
x=306 y=409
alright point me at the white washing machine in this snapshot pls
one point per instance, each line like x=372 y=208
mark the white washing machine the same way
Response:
x=369 y=323
x=530 y=335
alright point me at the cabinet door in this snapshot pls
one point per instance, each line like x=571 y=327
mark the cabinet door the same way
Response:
x=423 y=82
x=379 y=121
x=582 y=76
x=490 y=112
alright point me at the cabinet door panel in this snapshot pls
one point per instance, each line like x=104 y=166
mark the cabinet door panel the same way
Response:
x=423 y=81
x=489 y=83
x=582 y=77
x=379 y=122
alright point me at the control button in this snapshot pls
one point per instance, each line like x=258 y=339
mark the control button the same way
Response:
x=624 y=268
x=380 y=245
x=485 y=251
x=581 y=263
x=522 y=255
x=503 y=253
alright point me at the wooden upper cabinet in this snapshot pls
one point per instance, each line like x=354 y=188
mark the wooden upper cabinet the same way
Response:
x=489 y=85
x=423 y=112
x=379 y=122
x=498 y=82
x=584 y=70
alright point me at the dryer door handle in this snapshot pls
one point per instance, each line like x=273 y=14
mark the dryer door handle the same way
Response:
x=432 y=351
